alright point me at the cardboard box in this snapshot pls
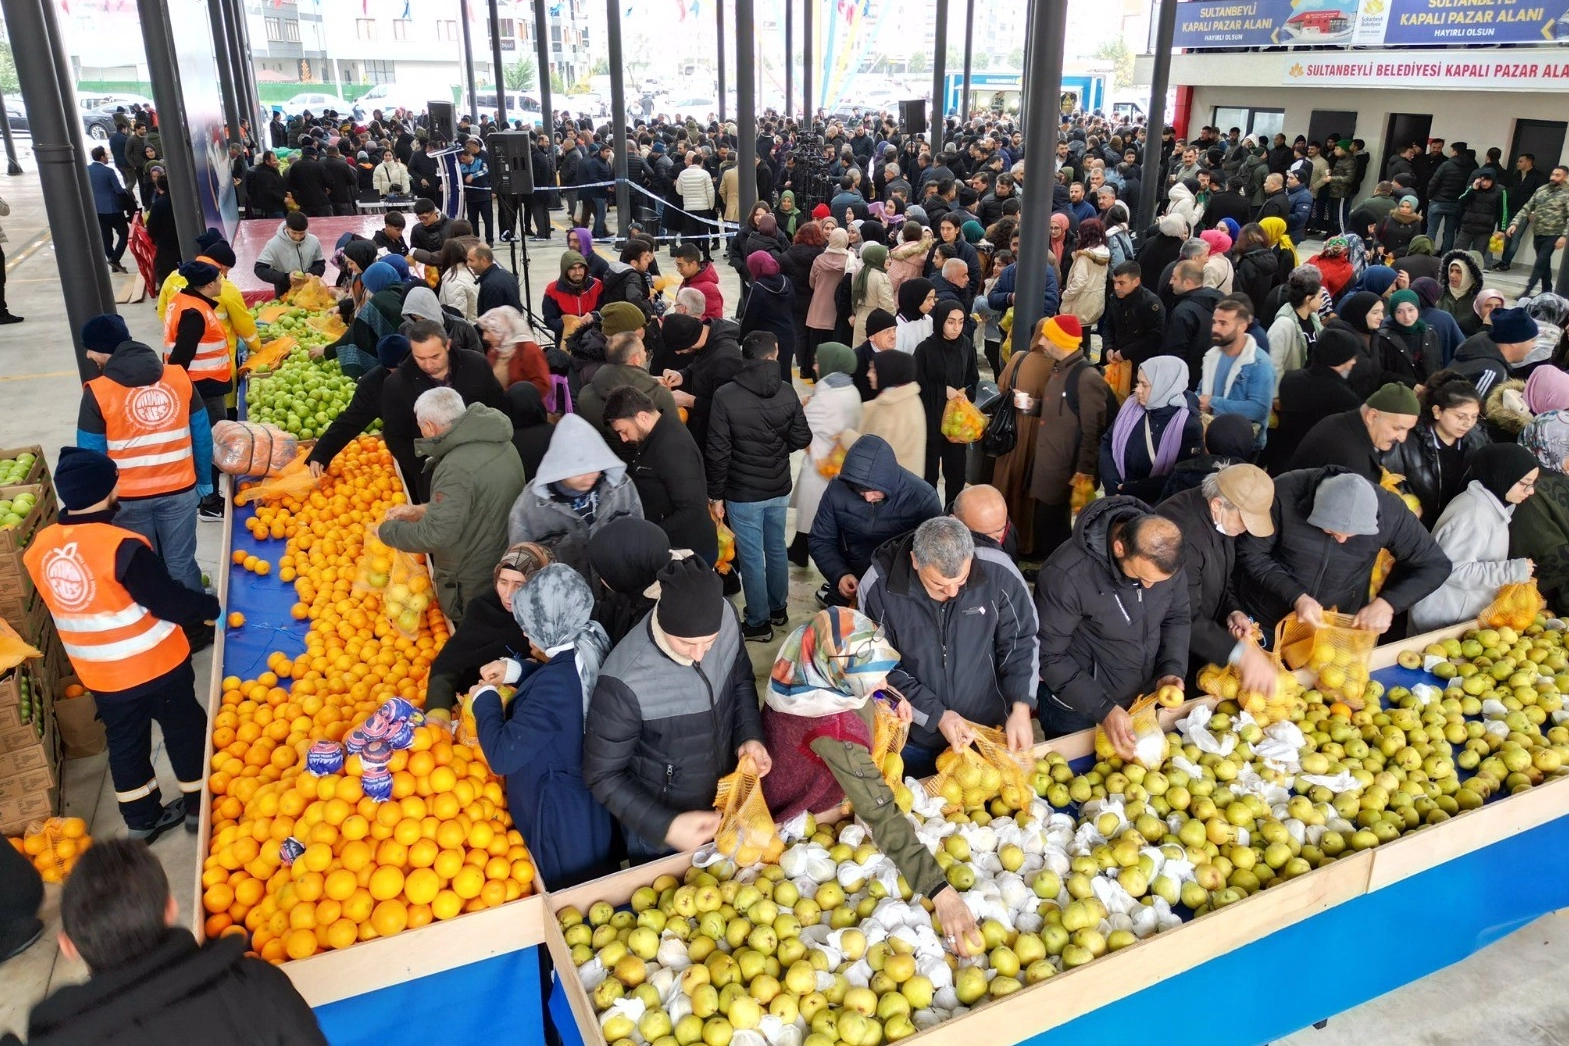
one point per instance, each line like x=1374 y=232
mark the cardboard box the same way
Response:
x=17 y=814
x=16 y=538
x=12 y=714
x=31 y=782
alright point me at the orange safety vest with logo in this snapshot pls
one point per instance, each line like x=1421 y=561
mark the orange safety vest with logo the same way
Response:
x=114 y=642
x=211 y=362
x=149 y=432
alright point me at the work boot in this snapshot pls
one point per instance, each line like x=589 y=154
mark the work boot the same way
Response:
x=171 y=815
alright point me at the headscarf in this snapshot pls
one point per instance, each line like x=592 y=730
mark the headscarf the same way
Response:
x=555 y=609
x=792 y=217
x=1219 y=242
x=400 y=265
x=1499 y=466
x=1406 y=297
x=838 y=242
x=1467 y=282
x=1334 y=247
x=628 y=554
x=1374 y=278
x=1484 y=296
x=525 y=557
x=1230 y=436
x=361 y=252
x=972 y=231
x=1428 y=290
x=1058 y=221
x=506 y=321
x=873 y=256
x=584 y=240
x=761 y=264
x=834 y=663
x=1421 y=245
x=1275 y=235
x=940 y=313
x=378 y=277
x=894 y=368
x=1355 y=307
x=1232 y=228
x=835 y=357
x=911 y=293
x=1168 y=378
x=1547 y=437
x=1546 y=389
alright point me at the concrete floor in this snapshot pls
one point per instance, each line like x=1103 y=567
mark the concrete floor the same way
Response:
x=1514 y=986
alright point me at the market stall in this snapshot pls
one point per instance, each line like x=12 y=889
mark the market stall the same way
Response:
x=252 y=235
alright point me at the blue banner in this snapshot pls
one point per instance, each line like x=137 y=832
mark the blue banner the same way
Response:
x=1445 y=21
x=1263 y=23
x=1210 y=24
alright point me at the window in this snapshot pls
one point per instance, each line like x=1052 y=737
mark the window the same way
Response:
x=1260 y=123
x=365 y=28
x=447 y=29
x=281 y=30
x=274 y=29
x=400 y=28
x=377 y=71
x=506 y=27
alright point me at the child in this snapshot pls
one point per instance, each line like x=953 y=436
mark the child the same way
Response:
x=390 y=238
x=991 y=333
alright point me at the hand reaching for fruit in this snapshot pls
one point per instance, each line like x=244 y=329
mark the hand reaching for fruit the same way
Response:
x=958 y=924
x=692 y=829
x=1377 y=616
x=1119 y=731
x=1309 y=611
x=761 y=760
x=955 y=730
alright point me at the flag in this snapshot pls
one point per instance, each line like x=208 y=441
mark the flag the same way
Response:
x=681 y=7
x=406 y=5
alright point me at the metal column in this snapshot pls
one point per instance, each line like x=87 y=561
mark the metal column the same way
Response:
x=57 y=145
x=969 y=47
x=936 y=127
x=789 y=58
x=808 y=61
x=498 y=74
x=250 y=100
x=179 y=157
x=223 y=59
x=1024 y=73
x=542 y=57
x=1048 y=28
x=619 y=137
x=11 y=166
x=719 y=27
x=746 y=106
x=1155 y=126
x=468 y=62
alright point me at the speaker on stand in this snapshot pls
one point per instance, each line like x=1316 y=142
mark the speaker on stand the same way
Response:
x=511 y=178
x=912 y=114
x=442 y=121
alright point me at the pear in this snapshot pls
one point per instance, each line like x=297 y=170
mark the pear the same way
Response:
x=655 y=1024
x=784 y=1007
x=900 y=967
x=899 y=1026
x=1004 y=961
x=1055 y=938
x=616 y=1026
x=1029 y=948
x=1047 y=884
x=1001 y=986
x=892 y=1004
x=861 y=1000
x=1012 y=856
x=1074 y=955
x=744 y=1013
x=918 y=991
x=717 y=1032
x=688 y=1030
x=1039 y=971
x=969 y=985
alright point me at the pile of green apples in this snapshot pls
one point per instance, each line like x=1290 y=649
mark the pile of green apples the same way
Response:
x=301 y=396
x=15 y=470
x=296 y=324
x=14 y=510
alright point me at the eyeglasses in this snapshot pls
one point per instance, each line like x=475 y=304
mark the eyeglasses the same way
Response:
x=863 y=649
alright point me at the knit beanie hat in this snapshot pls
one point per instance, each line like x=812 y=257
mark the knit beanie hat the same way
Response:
x=820 y=212
x=893 y=368
x=1395 y=398
x=619 y=317
x=879 y=320
x=691 y=599
x=1063 y=331
x=1345 y=504
x=1513 y=326
x=198 y=273
x=104 y=333
x=681 y=331
x=83 y=477
x=1335 y=347
x=392 y=350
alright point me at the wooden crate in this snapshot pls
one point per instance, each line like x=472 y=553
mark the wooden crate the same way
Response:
x=39 y=473
x=11 y=714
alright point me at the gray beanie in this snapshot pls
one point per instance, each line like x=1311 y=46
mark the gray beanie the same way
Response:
x=1345 y=504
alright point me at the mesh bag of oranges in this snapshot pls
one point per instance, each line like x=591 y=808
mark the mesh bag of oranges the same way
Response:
x=726 y=543
x=889 y=734
x=1150 y=745
x=830 y=466
x=291 y=482
x=54 y=845
x=980 y=772
x=962 y=421
x=1515 y=606
x=245 y=448
x=1336 y=654
x=747 y=833
x=399 y=578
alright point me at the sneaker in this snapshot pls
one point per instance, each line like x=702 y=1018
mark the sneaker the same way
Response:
x=210 y=509
x=822 y=595
x=1500 y=267
x=779 y=618
x=757 y=633
x=6 y=317
x=506 y=237
x=168 y=817
x=193 y=813
x=116 y=267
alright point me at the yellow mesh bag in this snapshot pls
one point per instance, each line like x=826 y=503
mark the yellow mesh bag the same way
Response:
x=310 y=294
x=54 y=844
x=981 y=772
x=1515 y=606
x=400 y=580
x=889 y=734
x=14 y=649
x=1150 y=746
x=294 y=480
x=962 y=421
x=1338 y=656
x=1223 y=681
x=747 y=834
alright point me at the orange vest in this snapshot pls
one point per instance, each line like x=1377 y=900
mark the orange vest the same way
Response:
x=211 y=362
x=114 y=642
x=149 y=432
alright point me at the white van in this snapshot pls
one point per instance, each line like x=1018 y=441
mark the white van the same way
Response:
x=388 y=97
x=520 y=106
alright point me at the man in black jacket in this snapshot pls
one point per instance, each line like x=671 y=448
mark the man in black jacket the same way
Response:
x=713 y=348
x=497 y=286
x=1357 y=439
x=429 y=232
x=674 y=708
x=964 y=650
x=425 y=171
x=1276 y=203
x=149 y=979
x=265 y=190
x=537 y=203
x=667 y=470
x=1481 y=212
x=307 y=183
x=1232 y=203
x=1329 y=528
x=1135 y=319
x=1444 y=189
x=755 y=425
x=1309 y=394
x=364 y=406
x=1228 y=503
x=1114 y=618
x=873 y=500
x=343 y=182
x=1187 y=335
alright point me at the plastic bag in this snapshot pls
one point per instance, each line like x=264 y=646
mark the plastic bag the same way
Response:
x=309 y=293
x=984 y=771
x=1336 y=654
x=961 y=421
x=245 y=448
x=330 y=324
x=747 y=834
x=1119 y=375
x=1496 y=243
x=889 y=734
x=14 y=649
x=271 y=352
x=830 y=466
x=1515 y=606
x=1002 y=432
x=399 y=578
x=294 y=480
x=1150 y=746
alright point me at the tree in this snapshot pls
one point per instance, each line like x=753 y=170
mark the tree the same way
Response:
x=520 y=74
x=1117 y=52
x=982 y=60
x=1016 y=58
x=956 y=57
x=557 y=84
x=8 y=81
x=918 y=63
x=601 y=67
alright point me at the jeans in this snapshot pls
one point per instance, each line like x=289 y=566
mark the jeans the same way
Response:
x=217 y=410
x=1542 y=268
x=115 y=229
x=760 y=552
x=1437 y=211
x=601 y=204
x=1511 y=245
x=128 y=722
x=169 y=522
x=1475 y=241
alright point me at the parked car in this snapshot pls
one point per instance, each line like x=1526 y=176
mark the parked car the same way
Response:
x=520 y=106
x=16 y=116
x=315 y=103
x=98 y=112
x=388 y=97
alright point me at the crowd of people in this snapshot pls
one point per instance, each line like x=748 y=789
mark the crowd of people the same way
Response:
x=1212 y=430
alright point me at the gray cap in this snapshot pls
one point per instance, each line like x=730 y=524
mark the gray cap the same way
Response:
x=1345 y=504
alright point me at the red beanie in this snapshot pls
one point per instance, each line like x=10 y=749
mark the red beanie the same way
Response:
x=820 y=211
x=1063 y=331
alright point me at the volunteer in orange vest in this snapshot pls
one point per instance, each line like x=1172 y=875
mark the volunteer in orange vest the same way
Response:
x=120 y=618
x=147 y=416
x=194 y=338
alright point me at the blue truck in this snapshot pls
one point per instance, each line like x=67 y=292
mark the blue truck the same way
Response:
x=1003 y=91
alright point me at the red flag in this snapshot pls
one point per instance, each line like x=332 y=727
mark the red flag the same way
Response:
x=680 y=6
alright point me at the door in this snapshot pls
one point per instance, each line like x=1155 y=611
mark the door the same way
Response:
x=1402 y=130
x=1543 y=139
x=1330 y=125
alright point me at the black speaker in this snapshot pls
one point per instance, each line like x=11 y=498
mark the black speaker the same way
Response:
x=511 y=171
x=912 y=114
x=442 y=120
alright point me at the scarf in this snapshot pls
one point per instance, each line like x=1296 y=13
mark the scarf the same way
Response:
x=555 y=608
x=1499 y=466
x=838 y=242
x=1168 y=378
x=1058 y=221
x=1406 y=297
x=912 y=293
x=831 y=664
x=505 y=321
x=787 y=219
x=1547 y=437
x=584 y=505
x=1275 y=235
x=873 y=256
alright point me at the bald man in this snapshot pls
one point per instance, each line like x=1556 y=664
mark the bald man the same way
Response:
x=984 y=510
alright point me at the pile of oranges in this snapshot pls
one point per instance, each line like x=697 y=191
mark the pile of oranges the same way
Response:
x=53 y=846
x=442 y=845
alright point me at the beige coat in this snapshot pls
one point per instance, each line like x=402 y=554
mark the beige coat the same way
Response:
x=879 y=295
x=833 y=413
x=1085 y=295
x=899 y=418
x=730 y=194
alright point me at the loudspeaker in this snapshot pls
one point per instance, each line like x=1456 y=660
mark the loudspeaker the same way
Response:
x=442 y=120
x=511 y=172
x=912 y=114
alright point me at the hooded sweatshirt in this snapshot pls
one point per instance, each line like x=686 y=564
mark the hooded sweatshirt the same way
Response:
x=561 y=519
x=284 y=255
x=847 y=529
x=133 y=366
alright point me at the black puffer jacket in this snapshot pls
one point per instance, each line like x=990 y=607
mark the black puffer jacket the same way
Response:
x=1451 y=179
x=718 y=361
x=755 y=425
x=668 y=474
x=1104 y=638
x=179 y=992
x=1417 y=459
x=975 y=654
x=796 y=265
x=1302 y=559
x=468 y=373
x=1257 y=273
x=770 y=307
x=1187 y=330
x=1133 y=325
x=658 y=735
x=1482 y=209
x=848 y=529
x=1208 y=560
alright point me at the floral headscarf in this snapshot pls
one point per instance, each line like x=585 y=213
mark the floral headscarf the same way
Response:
x=555 y=609
x=505 y=321
x=1547 y=437
x=831 y=664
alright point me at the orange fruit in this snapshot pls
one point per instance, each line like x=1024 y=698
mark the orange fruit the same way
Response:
x=218 y=898
x=236 y=619
x=386 y=882
x=446 y=905
x=423 y=853
x=340 y=884
x=300 y=944
x=389 y=918
x=342 y=933
x=421 y=886
x=468 y=882
x=358 y=906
